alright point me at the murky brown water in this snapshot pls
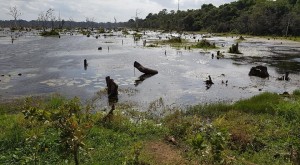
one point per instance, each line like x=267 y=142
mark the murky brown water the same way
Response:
x=53 y=65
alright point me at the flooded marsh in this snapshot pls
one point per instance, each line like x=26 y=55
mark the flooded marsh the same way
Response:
x=35 y=65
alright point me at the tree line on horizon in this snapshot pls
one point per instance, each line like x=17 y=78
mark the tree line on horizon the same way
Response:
x=255 y=17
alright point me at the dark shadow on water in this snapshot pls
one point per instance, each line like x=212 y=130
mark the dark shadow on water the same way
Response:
x=208 y=86
x=142 y=78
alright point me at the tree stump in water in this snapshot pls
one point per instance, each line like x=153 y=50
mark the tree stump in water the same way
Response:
x=112 y=89
x=85 y=64
x=143 y=69
x=286 y=78
x=234 y=49
x=209 y=81
x=109 y=117
x=259 y=71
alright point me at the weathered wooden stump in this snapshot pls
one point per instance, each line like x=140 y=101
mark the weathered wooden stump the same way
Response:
x=259 y=71
x=85 y=63
x=209 y=81
x=286 y=78
x=143 y=69
x=109 y=117
x=234 y=49
x=112 y=89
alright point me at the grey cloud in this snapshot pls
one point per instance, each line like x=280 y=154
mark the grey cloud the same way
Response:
x=101 y=10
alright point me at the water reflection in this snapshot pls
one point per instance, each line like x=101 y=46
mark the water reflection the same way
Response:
x=142 y=78
x=57 y=67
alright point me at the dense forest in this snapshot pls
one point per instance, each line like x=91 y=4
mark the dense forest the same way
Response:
x=256 y=17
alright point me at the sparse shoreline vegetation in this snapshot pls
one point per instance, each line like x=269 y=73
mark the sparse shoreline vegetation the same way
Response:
x=49 y=33
x=263 y=129
x=204 y=44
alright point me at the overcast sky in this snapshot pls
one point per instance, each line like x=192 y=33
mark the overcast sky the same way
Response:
x=100 y=10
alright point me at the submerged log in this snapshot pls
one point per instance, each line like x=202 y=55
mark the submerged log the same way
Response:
x=112 y=89
x=143 y=69
x=259 y=71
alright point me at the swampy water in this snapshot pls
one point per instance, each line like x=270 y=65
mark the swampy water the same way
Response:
x=35 y=65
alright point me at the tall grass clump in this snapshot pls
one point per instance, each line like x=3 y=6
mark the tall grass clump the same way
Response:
x=262 y=103
x=263 y=129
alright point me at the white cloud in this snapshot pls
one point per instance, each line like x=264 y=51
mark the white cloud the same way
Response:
x=101 y=10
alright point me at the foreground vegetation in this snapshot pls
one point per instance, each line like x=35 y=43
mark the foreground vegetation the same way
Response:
x=264 y=129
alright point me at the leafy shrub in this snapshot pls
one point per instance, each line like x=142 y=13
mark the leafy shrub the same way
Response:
x=51 y=33
x=205 y=44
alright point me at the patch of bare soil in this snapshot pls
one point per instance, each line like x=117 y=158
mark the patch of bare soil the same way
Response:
x=158 y=152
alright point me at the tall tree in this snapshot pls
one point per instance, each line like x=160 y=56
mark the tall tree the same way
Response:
x=50 y=15
x=15 y=13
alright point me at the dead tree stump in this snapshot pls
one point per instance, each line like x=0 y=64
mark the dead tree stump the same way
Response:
x=112 y=89
x=209 y=81
x=85 y=63
x=286 y=78
x=259 y=71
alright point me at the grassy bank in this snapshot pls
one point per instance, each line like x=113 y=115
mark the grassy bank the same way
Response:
x=264 y=129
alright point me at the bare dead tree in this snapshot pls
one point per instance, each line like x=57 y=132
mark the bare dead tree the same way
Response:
x=43 y=19
x=90 y=21
x=50 y=15
x=71 y=20
x=15 y=13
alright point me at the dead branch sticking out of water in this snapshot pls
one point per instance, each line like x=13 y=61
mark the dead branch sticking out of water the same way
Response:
x=143 y=69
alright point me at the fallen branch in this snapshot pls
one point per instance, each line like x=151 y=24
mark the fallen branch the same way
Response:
x=143 y=69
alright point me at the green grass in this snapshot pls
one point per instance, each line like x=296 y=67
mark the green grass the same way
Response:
x=263 y=129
